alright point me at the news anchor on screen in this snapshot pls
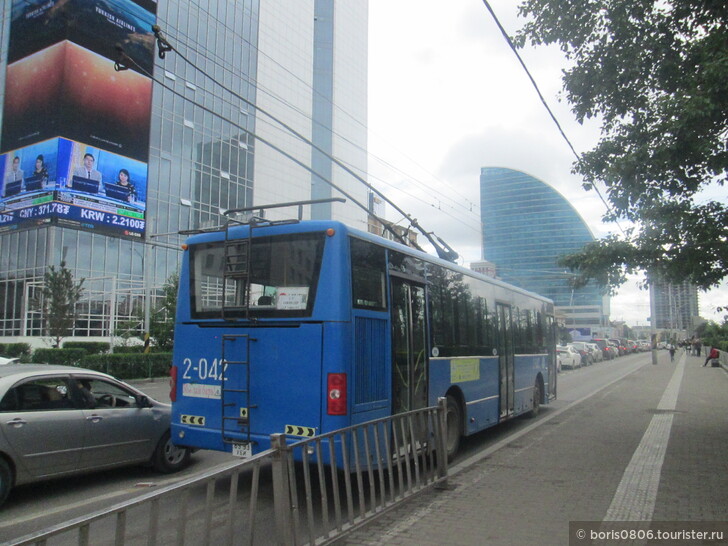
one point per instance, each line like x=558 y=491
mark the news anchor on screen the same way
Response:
x=122 y=189
x=13 y=178
x=86 y=178
x=40 y=167
x=87 y=170
x=39 y=177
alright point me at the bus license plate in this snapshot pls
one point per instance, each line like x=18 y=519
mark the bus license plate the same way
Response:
x=243 y=450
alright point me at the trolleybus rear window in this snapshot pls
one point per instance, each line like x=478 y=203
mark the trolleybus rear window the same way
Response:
x=283 y=273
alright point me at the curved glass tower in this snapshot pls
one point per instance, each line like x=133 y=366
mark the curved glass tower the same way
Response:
x=527 y=225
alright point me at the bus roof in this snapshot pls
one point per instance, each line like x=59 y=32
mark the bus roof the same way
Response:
x=240 y=231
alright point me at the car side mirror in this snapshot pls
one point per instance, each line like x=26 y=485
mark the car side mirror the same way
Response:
x=143 y=401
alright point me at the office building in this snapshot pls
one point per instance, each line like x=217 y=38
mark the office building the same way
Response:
x=133 y=149
x=527 y=225
x=484 y=267
x=674 y=307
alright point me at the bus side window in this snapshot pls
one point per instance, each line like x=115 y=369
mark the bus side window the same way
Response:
x=368 y=267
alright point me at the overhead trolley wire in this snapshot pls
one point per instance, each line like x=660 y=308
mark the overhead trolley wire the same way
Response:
x=164 y=47
x=123 y=64
x=212 y=56
x=225 y=25
x=543 y=100
x=219 y=61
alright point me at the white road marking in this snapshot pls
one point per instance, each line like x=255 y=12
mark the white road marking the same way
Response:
x=636 y=493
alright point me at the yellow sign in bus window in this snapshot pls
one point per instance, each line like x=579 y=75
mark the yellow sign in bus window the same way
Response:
x=464 y=369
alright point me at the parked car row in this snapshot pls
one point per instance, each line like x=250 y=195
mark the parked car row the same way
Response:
x=584 y=353
x=577 y=354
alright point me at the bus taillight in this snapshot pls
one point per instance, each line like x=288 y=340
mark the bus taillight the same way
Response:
x=336 y=394
x=173 y=383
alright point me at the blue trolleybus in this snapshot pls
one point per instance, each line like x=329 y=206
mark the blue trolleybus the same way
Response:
x=306 y=327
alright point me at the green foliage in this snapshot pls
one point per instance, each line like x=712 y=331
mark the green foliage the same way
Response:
x=716 y=335
x=67 y=357
x=128 y=349
x=161 y=324
x=15 y=350
x=656 y=75
x=129 y=366
x=700 y=329
x=91 y=347
x=61 y=293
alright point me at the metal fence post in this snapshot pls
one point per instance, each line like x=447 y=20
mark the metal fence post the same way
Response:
x=281 y=489
x=442 y=442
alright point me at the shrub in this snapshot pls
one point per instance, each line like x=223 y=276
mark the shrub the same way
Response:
x=130 y=349
x=91 y=347
x=68 y=357
x=130 y=366
x=15 y=350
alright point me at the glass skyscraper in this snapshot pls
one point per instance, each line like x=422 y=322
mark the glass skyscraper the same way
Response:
x=527 y=225
x=197 y=135
x=674 y=307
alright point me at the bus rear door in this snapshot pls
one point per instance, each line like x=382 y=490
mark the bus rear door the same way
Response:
x=505 y=359
x=409 y=346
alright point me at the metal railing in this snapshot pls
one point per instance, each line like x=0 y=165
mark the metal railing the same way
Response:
x=307 y=492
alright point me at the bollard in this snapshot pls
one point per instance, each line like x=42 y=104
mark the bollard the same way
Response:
x=442 y=443
x=281 y=489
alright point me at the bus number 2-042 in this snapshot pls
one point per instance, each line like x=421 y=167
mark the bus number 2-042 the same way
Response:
x=204 y=369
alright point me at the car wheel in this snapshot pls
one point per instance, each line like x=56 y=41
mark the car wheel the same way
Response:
x=454 y=426
x=6 y=480
x=168 y=457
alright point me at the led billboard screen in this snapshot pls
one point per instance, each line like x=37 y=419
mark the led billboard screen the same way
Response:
x=68 y=183
x=68 y=90
x=97 y=25
x=75 y=135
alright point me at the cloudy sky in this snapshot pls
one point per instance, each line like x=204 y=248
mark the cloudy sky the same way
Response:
x=447 y=96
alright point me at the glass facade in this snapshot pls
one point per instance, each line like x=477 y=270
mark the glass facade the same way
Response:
x=527 y=225
x=200 y=163
x=674 y=306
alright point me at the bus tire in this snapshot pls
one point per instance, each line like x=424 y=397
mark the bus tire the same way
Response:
x=168 y=457
x=6 y=479
x=454 y=419
x=536 y=408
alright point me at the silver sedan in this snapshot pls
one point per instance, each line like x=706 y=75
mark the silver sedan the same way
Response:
x=60 y=420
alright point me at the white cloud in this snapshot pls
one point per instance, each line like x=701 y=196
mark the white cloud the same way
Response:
x=447 y=96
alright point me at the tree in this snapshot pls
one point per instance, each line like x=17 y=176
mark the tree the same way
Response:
x=60 y=294
x=656 y=75
x=716 y=335
x=161 y=324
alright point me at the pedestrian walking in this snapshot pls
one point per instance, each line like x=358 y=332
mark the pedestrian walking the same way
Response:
x=672 y=353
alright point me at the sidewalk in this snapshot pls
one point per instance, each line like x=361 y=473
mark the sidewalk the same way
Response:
x=568 y=469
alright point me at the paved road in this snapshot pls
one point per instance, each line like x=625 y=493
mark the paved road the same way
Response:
x=651 y=446
x=523 y=481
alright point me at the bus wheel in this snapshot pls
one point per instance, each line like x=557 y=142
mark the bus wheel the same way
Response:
x=536 y=399
x=454 y=424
